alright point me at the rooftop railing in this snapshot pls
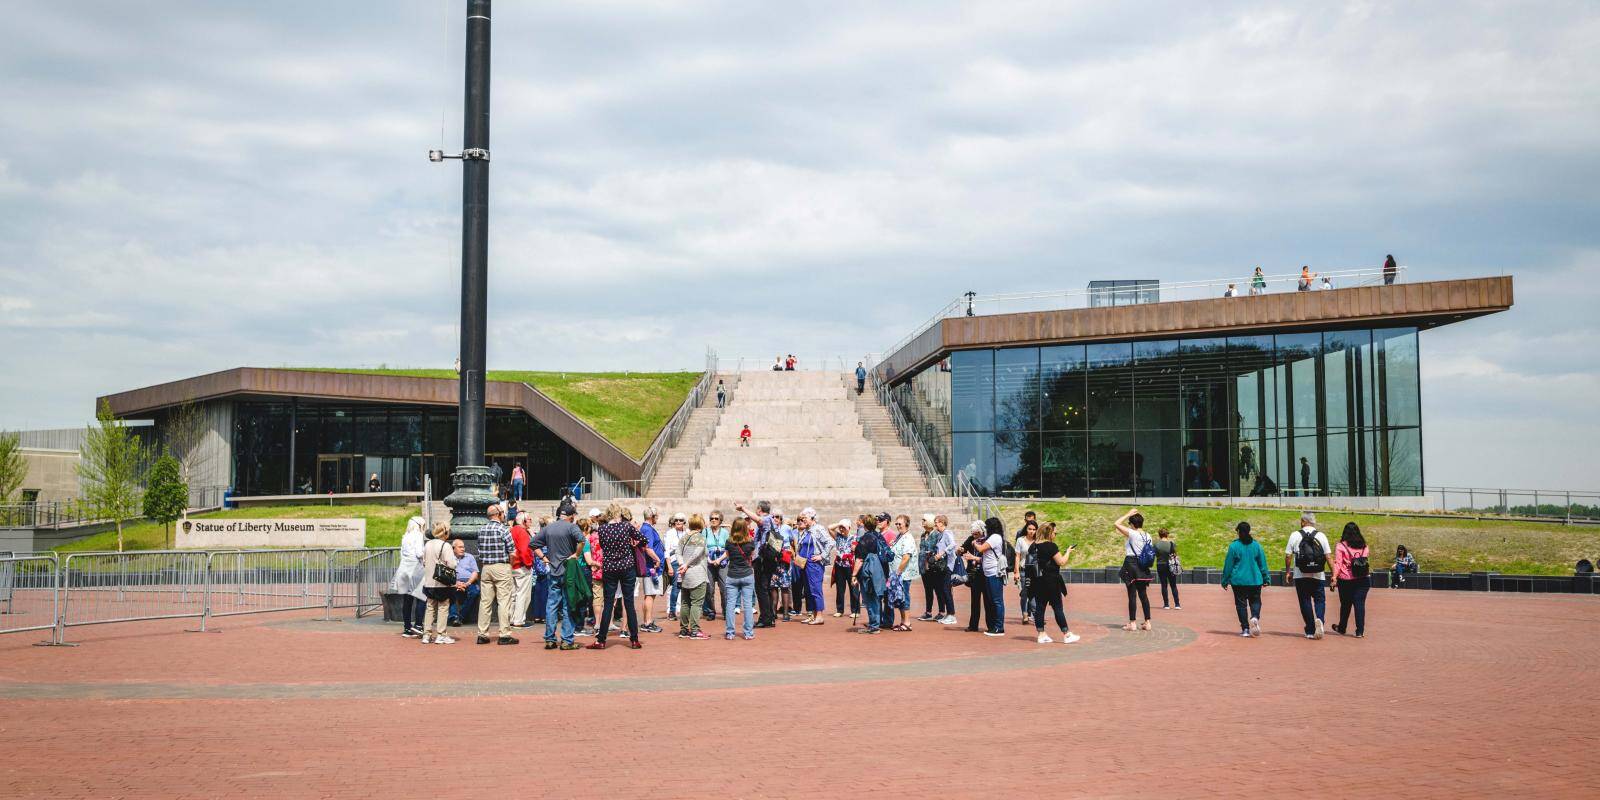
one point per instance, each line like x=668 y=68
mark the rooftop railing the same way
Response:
x=1134 y=293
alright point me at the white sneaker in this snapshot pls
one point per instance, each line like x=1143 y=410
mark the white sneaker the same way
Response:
x=1177 y=608
x=993 y=633
x=1318 y=634
x=1166 y=608
x=1245 y=634
x=443 y=640
x=1070 y=638
x=1255 y=627
x=949 y=620
x=427 y=639
x=1045 y=639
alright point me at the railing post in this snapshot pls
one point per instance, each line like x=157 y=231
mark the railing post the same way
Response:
x=122 y=575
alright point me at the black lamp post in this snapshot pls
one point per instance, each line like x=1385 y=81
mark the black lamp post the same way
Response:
x=471 y=482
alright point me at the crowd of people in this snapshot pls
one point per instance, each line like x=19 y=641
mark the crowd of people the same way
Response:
x=609 y=574
x=1308 y=280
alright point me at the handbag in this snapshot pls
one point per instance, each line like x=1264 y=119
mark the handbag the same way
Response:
x=444 y=574
x=641 y=564
x=1175 y=565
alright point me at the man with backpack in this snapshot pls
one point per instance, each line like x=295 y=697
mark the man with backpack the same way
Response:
x=1304 y=563
x=766 y=562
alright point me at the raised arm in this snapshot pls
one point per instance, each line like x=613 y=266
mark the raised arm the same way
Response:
x=1122 y=523
x=1061 y=558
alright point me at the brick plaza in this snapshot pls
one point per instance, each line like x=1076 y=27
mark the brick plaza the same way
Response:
x=1450 y=695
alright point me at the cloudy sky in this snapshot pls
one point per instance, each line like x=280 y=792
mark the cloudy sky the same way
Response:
x=186 y=187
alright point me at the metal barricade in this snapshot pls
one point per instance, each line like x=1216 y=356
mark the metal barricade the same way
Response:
x=30 y=597
x=98 y=588
x=373 y=574
x=258 y=581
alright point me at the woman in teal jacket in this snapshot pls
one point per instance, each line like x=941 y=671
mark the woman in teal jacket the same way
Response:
x=1245 y=569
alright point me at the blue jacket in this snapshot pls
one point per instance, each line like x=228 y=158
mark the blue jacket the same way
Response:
x=653 y=541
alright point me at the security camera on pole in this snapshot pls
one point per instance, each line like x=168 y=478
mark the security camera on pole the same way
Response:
x=471 y=482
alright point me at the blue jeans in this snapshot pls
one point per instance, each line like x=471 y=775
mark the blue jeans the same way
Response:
x=873 y=603
x=555 y=605
x=1309 y=591
x=516 y=491
x=997 y=601
x=464 y=600
x=739 y=593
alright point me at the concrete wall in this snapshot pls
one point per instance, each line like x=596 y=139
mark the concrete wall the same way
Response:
x=52 y=473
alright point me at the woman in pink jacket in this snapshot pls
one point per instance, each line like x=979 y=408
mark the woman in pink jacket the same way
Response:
x=1352 y=577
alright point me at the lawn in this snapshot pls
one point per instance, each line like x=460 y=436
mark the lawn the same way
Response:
x=1440 y=545
x=385 y=524
x=628 y=408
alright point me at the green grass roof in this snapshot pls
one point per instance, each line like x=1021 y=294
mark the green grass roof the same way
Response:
x=628 y=408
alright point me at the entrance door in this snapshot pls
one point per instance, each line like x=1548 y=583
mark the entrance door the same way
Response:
x=340 y=474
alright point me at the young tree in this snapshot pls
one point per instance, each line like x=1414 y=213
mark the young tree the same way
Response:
x=184 y=434
x=13 y=468
x=110 y=467
x=166 y=496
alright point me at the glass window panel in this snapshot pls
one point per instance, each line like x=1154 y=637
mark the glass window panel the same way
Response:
x=1204 y=383
x=261 y=449
x=1064 y=470
x=1207 y=467
x=1250 y=361
x=1156 y=378
x=1400 y=467
x=1344 y=377
x=307 y=438
x=405 y=432
x=441 y=433
x=972 y=390
x=1259 y=456
x=1110 y=386
x=338 y=431
x=1341 y=480
x=1016 y=462
x=1400 y=400
x=1158 y=463
x=1111 y=463
x=1304 y=458
x=1298 y=354
x=925 y=402
x=973 y=455
x=371 y=432
x=1016 y=388
x=1064 y=374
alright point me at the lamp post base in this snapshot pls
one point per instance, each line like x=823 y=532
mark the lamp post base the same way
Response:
x=468 y=502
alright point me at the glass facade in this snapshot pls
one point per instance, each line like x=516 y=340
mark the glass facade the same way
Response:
x=1319 y=413
x=302 y=447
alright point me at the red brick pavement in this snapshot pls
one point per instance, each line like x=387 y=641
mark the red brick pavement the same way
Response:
x=1451 y=694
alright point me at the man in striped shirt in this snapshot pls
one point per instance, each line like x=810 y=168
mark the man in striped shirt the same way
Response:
x=494 y=564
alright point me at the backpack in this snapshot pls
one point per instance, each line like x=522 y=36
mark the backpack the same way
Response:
x=958 y=574
x=1147 y=553
x=1360 y=567
x=1011 y=555
x=1309 y=556
x=1030 y=565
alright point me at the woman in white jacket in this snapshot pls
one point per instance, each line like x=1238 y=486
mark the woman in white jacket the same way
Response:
x=408 y=577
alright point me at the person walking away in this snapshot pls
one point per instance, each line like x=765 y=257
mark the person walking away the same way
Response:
x=1042 y=563
x=722 y=394
x=691 y=576
x=518 y=481
x=619 y=571
x=1244 y=569
x=1138 y=555
x=521 y=571
x=992 y=560
x=716 y=541
x=1305 y=560
x=652 y=583
x=467 y=575
x=559 y=546
x=861 y=378
x=744 y=436
x=494 y=565
x=1404 y=564
x=1258 y=283
x=1390 y=270
x=738 y=567
x=844 y=562
x=1352 y=578
x=907 y=570
x=495 y=476
x=408 y=577
x=871 y=574
x=437 y=594
x=1167 y=568
x=980 y=588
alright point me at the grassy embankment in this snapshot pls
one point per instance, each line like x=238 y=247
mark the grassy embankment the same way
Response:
x=628 y=408
x=1440 y=544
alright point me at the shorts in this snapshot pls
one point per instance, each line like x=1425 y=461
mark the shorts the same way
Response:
x=654 y=587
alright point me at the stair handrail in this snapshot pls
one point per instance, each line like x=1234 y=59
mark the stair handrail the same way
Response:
x=976 y=503
x=908 y=437
x=711 y=432
x=673 y=430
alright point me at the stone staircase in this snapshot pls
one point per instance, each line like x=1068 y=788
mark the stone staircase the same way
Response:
x=901 y=474
x=672 y=477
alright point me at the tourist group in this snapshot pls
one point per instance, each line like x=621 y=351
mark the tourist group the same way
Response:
x=580 y=576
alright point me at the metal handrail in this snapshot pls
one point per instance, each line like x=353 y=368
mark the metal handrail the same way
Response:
x=975 y=306
x=930 y=472
x=670 y=433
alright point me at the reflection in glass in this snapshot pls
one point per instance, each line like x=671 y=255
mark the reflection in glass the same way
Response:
x=1110 y=386
x=1016 y=462
x=1399 y=396
x=1112 y=463
x=1156 y=378
x=1065 y=472
x=972 y=390
x=1016 y=388
x=973 y=456
x=1064 y=387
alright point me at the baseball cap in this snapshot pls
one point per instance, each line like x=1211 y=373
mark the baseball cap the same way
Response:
x=883 y=516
